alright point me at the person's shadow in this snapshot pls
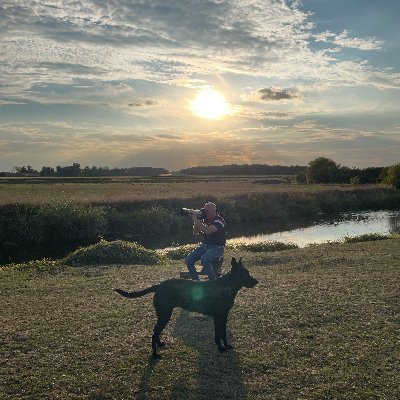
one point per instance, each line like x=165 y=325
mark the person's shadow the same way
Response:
x=218 y=374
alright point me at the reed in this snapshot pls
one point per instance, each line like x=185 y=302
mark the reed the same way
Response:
x=55 y=228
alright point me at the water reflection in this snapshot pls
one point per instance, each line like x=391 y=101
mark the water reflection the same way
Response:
x=349 y=224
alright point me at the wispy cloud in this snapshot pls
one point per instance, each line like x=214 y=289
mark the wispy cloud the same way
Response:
x=344 y=40
x=8 y=102
x=142 y=103
x=59 y=43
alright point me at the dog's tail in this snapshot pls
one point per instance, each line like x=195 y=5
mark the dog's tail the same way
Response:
x=133 y=295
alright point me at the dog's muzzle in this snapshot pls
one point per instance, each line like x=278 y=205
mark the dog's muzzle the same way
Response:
x=251 y=282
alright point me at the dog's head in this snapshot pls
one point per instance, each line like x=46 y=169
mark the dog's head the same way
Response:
x=241 y=274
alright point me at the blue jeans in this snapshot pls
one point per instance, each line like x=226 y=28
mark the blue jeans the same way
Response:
x=205 y=253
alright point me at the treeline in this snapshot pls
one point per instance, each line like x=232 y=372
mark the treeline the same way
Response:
x=244 y=169
x=320 y=170
x=325 y=170
x=75 y=170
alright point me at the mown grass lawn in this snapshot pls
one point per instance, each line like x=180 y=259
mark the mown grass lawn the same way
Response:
x=323 y=323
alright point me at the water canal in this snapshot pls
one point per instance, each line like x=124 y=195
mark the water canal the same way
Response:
x=347 y=224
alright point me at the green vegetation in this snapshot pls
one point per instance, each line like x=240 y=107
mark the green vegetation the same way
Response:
x=325 y=170
x=391 y=176
x=43 y=265
x=322 y=323
x=46 y=230
x=319 y=170
x=179 y=252
x=264 y=247
x=116 y=252
x=104 y=253
x=54 y=227
x=243 y=169
x=76 y=170
x=366 y=238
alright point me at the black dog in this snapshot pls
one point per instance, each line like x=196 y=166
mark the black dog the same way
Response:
x=213 y=298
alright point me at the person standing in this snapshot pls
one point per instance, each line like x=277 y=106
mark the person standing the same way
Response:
x=212 y=227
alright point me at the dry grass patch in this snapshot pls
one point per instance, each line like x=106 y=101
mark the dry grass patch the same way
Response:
x=323 y=323
x=157 y=189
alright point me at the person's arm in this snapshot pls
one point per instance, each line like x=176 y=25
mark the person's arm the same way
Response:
x=199 y=227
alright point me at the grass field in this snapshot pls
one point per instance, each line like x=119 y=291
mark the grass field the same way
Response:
x=323 y=323
x=124 y=190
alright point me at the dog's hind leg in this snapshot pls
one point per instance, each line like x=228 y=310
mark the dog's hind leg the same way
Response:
x=163 y=318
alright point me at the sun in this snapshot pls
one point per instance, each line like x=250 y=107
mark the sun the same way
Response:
x=210 y=104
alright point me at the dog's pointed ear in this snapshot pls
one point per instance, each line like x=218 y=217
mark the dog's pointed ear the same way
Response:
x=234 y=263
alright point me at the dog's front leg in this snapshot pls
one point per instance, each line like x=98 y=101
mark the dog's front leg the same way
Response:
x=154 y=339
x=224 y=321
x=218 y=334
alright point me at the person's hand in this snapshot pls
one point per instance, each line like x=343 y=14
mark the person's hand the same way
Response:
x=194 y=217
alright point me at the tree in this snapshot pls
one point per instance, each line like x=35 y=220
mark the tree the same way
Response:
x=322 y=170
x=301 y=177
x=69 y=170
x=391 y=176
x=28 y=170
x=47 y=171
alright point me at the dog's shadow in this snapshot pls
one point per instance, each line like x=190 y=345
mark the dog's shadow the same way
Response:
x=218 y=374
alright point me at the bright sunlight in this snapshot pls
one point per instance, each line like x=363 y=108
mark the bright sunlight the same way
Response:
x=210 y=104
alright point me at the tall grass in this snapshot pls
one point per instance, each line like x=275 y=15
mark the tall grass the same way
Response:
x=53 y=229
x=47 y=230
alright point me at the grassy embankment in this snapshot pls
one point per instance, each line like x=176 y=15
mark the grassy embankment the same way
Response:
x=323 y=323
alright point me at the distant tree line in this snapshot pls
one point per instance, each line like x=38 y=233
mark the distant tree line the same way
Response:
x=320 y=170
x=243 y=169
x=325 y=170
x=75 y=170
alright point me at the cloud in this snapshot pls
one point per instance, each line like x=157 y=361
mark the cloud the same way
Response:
x=272 y=94
x=9 y=102
x=343 y=40
x=143 y=103
x=175 y=42
x=291 y=142
x=168 y=136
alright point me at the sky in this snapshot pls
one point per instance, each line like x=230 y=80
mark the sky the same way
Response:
x=180 y=83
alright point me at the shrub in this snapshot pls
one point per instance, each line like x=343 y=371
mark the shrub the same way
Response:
x=366 y=238
x=322 y=170
x=179 y=253
x=37 y=265
x=263 y=246
x=391 y=176
x=116 y=252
